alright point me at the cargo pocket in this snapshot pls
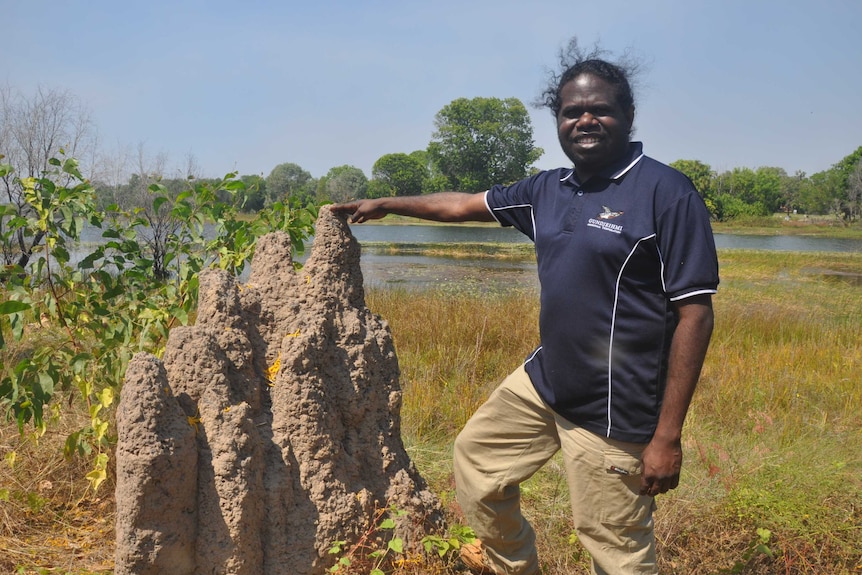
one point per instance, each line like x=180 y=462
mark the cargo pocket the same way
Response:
x=622 y=503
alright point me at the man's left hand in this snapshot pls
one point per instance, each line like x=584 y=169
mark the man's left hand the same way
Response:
x=662 y=461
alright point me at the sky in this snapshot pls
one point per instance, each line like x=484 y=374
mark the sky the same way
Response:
x=246 y=85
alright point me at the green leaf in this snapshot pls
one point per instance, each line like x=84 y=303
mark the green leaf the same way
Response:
x=17 y=321
x=387 y=523
x=90 y=260
x=61 y=254
x=46 y=385
x=396 y=544
x=158 y=202
x=13 y=306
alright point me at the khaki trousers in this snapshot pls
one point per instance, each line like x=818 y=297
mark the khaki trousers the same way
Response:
x=507 y=440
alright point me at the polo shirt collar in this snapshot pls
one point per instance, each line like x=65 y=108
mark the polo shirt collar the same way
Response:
x=616 y=170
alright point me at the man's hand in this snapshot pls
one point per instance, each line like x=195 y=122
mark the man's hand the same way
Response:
x=662 y=461
x=361 y=210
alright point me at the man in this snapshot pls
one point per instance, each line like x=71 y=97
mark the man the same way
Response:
x=627 y=267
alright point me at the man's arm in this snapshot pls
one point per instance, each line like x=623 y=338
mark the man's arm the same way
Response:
x=662 y=458
x=440 y=207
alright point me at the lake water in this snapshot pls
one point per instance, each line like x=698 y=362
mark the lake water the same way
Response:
x=416 y=271
x=492 y=234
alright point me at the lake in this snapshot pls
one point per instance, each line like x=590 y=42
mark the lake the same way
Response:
x=417 y=271
x=497 y=234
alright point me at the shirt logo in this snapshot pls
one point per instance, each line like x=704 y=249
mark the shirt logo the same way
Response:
x=609 y=214
x=601 y=221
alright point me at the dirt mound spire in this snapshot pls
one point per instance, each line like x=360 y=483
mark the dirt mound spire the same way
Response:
x=271 y=428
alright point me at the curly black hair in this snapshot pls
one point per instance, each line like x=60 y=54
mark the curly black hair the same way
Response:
x=575 y=61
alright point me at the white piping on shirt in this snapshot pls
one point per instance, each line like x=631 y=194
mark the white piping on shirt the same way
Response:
x=694 y=293
x=532 y=213
x=533 y=355
x=613 y=326
x=488 y=206
x=616 y=176
x=627 y=168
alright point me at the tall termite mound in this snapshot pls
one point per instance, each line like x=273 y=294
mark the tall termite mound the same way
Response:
x=271 y=428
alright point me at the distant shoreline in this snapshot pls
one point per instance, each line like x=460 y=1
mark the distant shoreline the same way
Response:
x=777 y=225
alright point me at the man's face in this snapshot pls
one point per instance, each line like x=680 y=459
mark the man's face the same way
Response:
x=592 y=126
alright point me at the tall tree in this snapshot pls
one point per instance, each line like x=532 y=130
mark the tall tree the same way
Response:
x=483 y=141
x=703 y=178
x=791 y=191
x=818 y=192
x=845 y=166
x=404 y=175
x=767 y=188
x=289 y=180
x=341 y=184
x=840 y=175
x=854 y=191
x=435 y=181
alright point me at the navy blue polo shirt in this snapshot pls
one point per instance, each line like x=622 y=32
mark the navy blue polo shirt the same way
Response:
x=613 y=254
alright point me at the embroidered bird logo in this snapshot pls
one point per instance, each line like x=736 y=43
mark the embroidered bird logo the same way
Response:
x=609 y=214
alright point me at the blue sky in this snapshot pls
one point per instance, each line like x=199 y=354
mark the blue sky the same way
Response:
x=246 y=85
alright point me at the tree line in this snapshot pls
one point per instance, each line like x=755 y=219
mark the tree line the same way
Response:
x=477 y=142
x=746 y=192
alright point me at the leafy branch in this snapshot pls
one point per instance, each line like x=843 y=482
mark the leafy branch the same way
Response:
x=72 y=325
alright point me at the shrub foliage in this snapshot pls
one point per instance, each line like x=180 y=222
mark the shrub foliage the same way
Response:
x=71 y=323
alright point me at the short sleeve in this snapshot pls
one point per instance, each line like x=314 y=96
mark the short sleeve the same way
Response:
x=513 y=205
x=687 y=248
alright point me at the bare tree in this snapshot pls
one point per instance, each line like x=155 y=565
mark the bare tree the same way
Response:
x=110 y=175
x=32 y=131
x=192 y=168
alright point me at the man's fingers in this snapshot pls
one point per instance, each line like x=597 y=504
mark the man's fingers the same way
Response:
x=655 y=487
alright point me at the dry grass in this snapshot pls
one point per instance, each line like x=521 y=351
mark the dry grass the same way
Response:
x=772 y=441
x=50 y=521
